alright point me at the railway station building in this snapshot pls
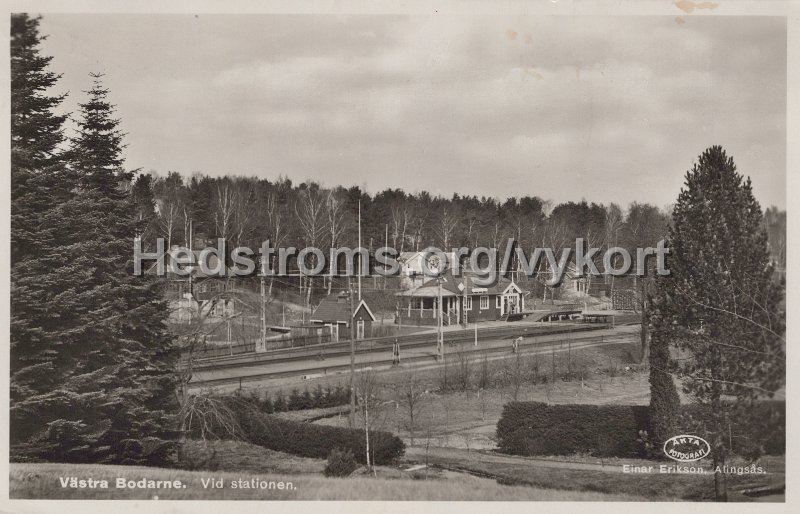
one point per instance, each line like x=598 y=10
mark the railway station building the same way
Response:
x=461 y=298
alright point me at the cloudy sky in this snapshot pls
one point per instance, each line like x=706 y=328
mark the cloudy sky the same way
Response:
x=602 y=108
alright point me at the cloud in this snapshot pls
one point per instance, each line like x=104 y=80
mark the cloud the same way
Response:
x=608 y=108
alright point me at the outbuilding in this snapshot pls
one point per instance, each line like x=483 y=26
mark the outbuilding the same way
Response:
x=334 y=313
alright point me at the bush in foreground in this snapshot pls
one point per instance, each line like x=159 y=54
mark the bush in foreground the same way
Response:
x=341 y=463
x=310 y=440
x=534 y=428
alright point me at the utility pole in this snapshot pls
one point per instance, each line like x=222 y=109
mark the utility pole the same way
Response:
x=191 y=272
x=351 y=419
x=360 y=263
x=263 y=313
x=464 y=302
x=399 y=316
x=386 y=245
x=440 y=338
x=230 y=337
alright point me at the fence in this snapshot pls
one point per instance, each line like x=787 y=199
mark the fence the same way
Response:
x=383 y=343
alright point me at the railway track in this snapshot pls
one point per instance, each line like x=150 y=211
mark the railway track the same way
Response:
x=408 y=342
x=318 y=369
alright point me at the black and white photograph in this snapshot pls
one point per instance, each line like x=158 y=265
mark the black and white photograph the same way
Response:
x=450 y=253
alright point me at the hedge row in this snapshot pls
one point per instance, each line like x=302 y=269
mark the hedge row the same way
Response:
x=311 y=440
x=534 y=428
x=758 y=426
x=319 y=399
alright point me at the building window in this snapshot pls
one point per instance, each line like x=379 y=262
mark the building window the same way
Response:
x=484 y=302
x=468 y=303
x=498 y=301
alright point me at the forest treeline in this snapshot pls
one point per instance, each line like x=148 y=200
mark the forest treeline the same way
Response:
x=245 y=211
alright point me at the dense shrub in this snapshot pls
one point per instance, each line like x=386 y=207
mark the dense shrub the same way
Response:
x=757 y=428
x=279 y=404
x=534 y=428
x=310 y=440
x=319 y=399
x=341 y=463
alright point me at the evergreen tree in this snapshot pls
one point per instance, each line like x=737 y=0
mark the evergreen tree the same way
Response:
x=39 y=184
x=96 y=153
x=36 y=131
x=200 y=194
x=110 y=389
x=664 y=400
x=720 y=307
x=145 y=209
x=38 y=178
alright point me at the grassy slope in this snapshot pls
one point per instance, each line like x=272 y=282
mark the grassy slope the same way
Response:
x=41 y=481
x=239 y=456
x=654 y=486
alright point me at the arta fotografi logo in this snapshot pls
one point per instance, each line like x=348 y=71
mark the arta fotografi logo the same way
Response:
x=686 y=448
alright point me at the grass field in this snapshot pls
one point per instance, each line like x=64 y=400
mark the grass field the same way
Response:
x=468 y=419
x=452 y=433
x=41 y=481
x=239 y=456
x=610 y=480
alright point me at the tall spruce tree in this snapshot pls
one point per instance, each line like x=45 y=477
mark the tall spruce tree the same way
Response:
x=110 y=392
x=720 y=308
x=145 y=209
x=39 y=183
x=36 y=131
x=38 y=177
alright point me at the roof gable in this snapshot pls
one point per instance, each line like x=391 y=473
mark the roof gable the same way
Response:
x=331 y=309
x=366 y=308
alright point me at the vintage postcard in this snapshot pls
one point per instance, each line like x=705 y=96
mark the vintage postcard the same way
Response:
x=275 y=254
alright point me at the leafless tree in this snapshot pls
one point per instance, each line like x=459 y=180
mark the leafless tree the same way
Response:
x=410 y=394
x=484 y=379
x=276 y=225
x=644 y=226
x=418 y=221
x=614 y=221
x=310 y=211
x=554 y=235
x=514 y=375
x=367 y=400
x=463 y=370
x=201 y=414
x=243 y=210
x=335 y=210
x=224 y=203
x=401 y=218
x=446 y=227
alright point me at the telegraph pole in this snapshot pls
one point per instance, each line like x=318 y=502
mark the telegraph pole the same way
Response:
x=360 y=263
x=464 y=302
x=191 y=272
x=263 y=314
x=386 y=245
x=351 y=419
x=440 y=338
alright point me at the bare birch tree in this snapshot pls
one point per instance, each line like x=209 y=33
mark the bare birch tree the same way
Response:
x=335 y=209
x=310 y=211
